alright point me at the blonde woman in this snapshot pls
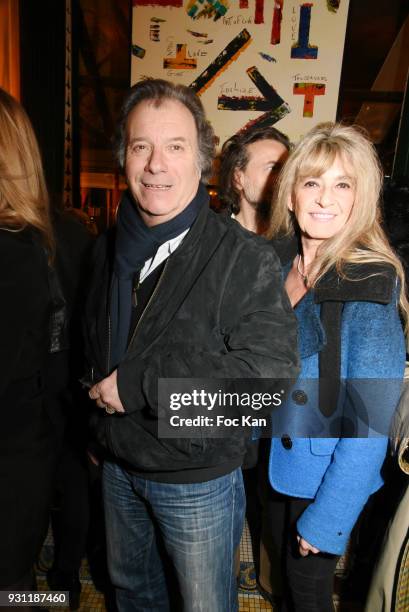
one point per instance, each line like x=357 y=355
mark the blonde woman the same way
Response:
x=346 y=286
x=26 y=435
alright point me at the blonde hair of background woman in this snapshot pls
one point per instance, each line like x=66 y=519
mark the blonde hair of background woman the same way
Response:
x=362 y=239
x=23 y=192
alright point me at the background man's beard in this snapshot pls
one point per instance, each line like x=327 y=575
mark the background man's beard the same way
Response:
x=262 y=207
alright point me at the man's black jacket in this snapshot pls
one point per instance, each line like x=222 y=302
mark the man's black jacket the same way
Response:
x=219 y=310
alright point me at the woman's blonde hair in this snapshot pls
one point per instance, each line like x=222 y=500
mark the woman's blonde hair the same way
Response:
x=362 y=239
x=23 y=193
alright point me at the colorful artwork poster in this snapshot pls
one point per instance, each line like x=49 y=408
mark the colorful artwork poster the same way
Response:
x=265 y=62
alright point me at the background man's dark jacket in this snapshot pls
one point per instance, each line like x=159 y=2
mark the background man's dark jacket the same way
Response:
x=218 y=311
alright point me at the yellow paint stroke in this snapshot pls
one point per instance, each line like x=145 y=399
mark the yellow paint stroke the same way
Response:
x=181 y=61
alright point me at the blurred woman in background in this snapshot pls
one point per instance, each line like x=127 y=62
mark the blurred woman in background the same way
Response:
x=26 y=434
x=346 y=286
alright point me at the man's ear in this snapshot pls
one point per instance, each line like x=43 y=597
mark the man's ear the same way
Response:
x=238 y=179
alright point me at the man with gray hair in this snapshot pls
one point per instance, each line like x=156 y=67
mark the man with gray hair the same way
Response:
x=178 y=292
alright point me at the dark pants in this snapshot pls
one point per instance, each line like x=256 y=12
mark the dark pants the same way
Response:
x=308 y=581
x=70 y=521
x=27 y=467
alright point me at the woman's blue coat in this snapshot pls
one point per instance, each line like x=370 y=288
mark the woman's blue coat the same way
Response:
x=339 y=473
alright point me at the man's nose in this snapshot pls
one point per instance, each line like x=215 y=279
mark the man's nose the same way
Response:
x=156 y=161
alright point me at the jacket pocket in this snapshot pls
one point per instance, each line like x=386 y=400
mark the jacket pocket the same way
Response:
x=130 y=441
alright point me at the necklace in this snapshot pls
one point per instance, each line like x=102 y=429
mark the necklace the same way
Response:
x=302 y=274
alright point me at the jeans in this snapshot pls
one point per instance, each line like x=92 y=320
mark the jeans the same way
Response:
x=162 y=535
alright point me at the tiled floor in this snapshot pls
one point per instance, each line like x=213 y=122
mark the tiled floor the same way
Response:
x=249 y=601
x=94 y=601
x=91 y=599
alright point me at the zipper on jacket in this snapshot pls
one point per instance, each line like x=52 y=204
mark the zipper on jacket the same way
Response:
x=109 y=342
x=149 y=302
x=109 y=329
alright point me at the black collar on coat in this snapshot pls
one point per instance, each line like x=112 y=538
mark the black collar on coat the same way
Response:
x=369 y=282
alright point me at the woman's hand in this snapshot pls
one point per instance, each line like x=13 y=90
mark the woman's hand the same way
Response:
x=305 y=548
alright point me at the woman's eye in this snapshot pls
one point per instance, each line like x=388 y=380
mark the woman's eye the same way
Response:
x=344 y=185
x=310 y=184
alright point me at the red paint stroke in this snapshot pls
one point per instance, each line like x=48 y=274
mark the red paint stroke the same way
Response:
x=277 y=17
x=309 y=91
x=244 y=4
x=259 y=14
x=174 y=3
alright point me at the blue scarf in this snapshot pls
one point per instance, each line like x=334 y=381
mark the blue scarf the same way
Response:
x=135 y=244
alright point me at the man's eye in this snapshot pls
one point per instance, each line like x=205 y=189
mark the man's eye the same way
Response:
x=138 y=148
x=175 y=147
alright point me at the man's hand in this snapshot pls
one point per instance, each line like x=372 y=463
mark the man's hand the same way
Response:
x=305 y=547
x=106 y=394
